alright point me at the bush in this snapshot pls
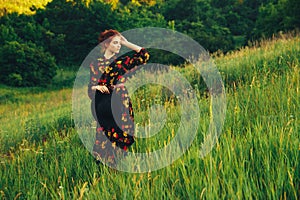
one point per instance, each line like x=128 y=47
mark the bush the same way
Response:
x=7 y=33
x=26 y=65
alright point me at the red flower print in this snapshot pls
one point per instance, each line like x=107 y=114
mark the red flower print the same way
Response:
x=115 y=135
x=100 y=129
x=126 y=62
x=103 y=81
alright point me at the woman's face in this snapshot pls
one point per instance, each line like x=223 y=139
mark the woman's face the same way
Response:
x=115 y=45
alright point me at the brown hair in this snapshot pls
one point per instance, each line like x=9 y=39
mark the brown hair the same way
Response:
x=106 y=36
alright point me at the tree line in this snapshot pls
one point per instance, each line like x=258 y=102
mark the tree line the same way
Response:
x=65 y=31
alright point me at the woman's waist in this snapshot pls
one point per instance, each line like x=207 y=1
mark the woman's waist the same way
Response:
x=115 y=86
x=111 y=88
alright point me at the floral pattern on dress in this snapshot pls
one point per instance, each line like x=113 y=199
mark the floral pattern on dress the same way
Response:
x=119 y=129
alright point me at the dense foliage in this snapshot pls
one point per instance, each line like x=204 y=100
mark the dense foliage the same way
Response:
x=26 y=65
x=68 y=29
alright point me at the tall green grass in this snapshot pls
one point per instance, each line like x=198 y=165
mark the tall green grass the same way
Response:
x=256 y=157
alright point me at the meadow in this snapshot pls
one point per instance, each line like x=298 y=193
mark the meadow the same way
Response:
x=256 y=157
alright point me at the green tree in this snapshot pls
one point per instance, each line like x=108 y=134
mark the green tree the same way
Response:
x=75 y=26
x=25 y=65
x=270 y=20
x=135 y=16
x=276 y=16
x=292 y=14
x=22 y=28
x=7 y=34
x=201 y=21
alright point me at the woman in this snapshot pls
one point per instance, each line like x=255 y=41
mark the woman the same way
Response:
x=111 y=105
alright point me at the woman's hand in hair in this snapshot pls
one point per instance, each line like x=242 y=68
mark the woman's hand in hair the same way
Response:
x=124 y=41
x=130 y=45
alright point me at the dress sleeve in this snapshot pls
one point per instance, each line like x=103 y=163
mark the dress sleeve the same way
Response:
x=93 y=81
x=137 y=59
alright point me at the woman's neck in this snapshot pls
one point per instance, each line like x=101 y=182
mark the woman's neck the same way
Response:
x=108 y=54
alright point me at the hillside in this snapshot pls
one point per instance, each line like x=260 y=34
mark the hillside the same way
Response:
x=256 y=157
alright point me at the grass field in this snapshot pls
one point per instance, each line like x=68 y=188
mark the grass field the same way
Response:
x=257 y=155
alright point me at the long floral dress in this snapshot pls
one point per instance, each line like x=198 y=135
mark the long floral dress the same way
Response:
x=113 y=111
